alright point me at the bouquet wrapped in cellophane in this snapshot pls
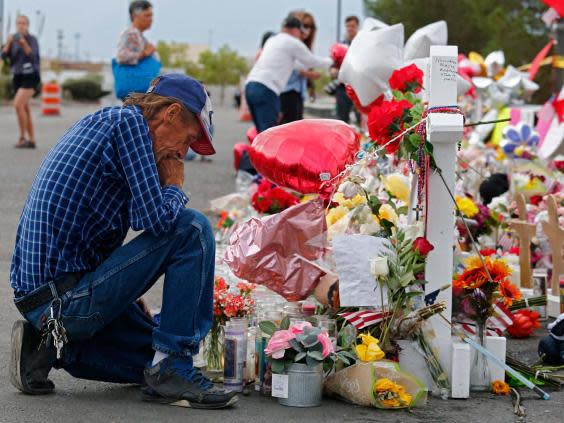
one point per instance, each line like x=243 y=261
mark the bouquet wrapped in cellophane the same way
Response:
x=379 y=384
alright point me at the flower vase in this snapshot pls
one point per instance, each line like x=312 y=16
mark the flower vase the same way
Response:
x=480 y=378
x=305 y=386
x=213 y=347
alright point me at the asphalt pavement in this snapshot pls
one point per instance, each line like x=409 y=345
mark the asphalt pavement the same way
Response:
x=85 y=401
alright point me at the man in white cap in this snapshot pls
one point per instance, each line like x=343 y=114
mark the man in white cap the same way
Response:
x=75 y=283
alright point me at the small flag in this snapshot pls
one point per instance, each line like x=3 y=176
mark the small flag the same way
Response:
x=431 y=297
x=364 y=318
x=470 y=328
x=502 y=317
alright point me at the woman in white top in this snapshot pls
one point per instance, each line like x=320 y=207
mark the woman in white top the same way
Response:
x=282 y=54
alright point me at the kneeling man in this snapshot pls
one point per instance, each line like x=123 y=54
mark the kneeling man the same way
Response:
x=76 y=284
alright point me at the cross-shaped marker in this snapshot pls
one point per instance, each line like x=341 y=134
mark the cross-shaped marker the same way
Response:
x=555 y=234
x=525 y=232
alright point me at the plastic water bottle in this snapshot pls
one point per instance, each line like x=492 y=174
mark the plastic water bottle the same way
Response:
x=235 y=354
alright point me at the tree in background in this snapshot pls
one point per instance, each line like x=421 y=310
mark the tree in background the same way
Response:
x=223 y=67
x=513 y=26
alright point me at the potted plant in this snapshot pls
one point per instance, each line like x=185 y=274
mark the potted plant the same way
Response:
x=298 y=351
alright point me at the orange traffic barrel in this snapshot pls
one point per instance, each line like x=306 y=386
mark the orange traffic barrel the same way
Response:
x=51 y=99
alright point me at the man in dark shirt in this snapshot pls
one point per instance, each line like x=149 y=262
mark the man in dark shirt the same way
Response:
x=120 y=168
x=344 y=103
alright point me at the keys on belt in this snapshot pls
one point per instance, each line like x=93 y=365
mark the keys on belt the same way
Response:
x=54 y=330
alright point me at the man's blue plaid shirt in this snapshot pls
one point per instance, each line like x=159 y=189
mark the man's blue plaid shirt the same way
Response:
x=99 y=180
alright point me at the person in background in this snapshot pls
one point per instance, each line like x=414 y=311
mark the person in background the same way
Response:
x=344 y=103
x=271 y=72
x=132 y=45
x=22 y=50
x=301 y=81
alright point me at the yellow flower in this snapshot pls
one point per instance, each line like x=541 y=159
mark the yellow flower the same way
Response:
x=499 y=387
x=390 y=394
x=308 y=197
x=335 y=214
x=388 y=213
x=369 y=349
x=467 y=206
x=349 y=203
x=398 y=186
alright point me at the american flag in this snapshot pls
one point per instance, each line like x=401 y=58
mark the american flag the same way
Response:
x=364 y=318
x=496 y=324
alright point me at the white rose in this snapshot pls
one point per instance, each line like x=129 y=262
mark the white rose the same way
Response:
x=349 y=189
x=379 y=266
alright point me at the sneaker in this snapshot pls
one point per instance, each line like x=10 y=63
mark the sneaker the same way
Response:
x=30 y=361
x=175 y=381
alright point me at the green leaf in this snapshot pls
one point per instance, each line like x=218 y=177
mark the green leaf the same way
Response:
x=315 y=354
x=267 y=328
x=311 y=362
x=398 y=95
x=285 y=323
x=310 y=341
x=316 y=347
x=296 y=345
x=277 y=366
x=299 y=357
x=374 y=203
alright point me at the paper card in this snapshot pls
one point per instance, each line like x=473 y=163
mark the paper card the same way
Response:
x=279 y=385
x=357 y=286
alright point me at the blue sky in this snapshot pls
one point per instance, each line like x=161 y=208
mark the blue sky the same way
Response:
x=239 y=23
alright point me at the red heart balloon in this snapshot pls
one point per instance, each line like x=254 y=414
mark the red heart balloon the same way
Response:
x=301 y=155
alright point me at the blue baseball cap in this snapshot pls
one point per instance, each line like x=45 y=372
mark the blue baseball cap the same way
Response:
x=194 y=97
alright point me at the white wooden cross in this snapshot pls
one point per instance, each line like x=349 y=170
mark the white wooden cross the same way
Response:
x=444 y=130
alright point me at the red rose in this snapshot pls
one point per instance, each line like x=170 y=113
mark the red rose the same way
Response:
x=487 y=252
x=354 y=98
x=514 y=250
x=385 y=122
x=409 y=78
x=536 y=200
x=422 y=246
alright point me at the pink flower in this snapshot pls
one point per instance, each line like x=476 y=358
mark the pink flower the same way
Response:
x=328 y=348
x=298 y=328
x=279 y=343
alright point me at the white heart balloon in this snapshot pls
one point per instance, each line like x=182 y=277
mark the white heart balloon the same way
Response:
x=419 y=44
x=371 y=59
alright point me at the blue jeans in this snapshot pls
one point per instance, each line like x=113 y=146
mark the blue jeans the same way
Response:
x=264 y=105
x=110 y=337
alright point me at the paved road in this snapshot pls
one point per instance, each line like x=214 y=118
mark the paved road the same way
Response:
x=84 y=401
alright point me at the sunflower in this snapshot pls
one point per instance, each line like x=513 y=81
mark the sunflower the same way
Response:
x=509 y=292
x=499 y=387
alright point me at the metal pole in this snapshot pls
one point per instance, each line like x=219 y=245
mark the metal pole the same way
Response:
x=1 y=22
x=338 y=20
x=559 y=50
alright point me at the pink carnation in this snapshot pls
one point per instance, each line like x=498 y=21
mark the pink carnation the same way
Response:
x=328 y=348
x=298 y=328
x=279 y=343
